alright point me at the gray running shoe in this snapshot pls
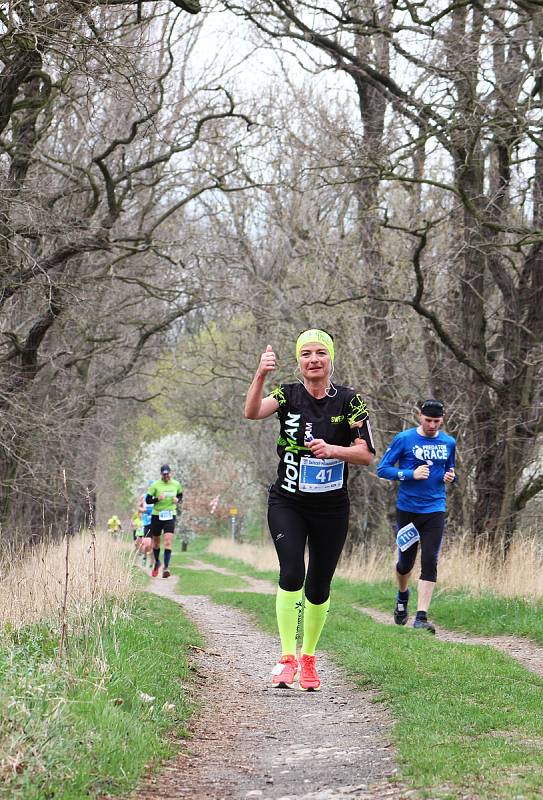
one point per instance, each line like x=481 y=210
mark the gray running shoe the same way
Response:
x=425 y=624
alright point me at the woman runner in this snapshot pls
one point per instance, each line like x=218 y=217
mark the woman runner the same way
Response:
x=323 y=429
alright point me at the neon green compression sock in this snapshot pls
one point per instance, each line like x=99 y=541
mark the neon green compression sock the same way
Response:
x=288 y=607
x=314 y=619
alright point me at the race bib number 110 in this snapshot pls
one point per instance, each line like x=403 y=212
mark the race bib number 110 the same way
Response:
x=407 y=536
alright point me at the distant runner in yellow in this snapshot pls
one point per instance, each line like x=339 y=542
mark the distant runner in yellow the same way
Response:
x=142 y=545
x=164 y=494
x=137 y=526
x=114 y=524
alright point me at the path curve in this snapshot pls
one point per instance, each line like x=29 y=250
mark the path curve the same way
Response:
x=527 y=653
x=252 y=741
x=258 y=585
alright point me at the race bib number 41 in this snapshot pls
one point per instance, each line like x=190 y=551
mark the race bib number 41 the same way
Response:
x=164 y=515
x=320 y=474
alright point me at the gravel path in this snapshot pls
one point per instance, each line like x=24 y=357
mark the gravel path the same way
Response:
x=252 y=741
x=526 y=652
x=258 y=585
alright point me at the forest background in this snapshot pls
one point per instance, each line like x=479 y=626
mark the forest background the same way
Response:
x=182 y=186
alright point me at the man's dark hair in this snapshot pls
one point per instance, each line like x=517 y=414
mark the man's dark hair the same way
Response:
x=431 y=408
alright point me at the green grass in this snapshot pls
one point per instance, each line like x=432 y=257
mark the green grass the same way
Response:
x=86 y=728
x=197 y=550
x=488 y=615
x=466 y=717
x=469 y=719
x=252 y=531
x=203 y=582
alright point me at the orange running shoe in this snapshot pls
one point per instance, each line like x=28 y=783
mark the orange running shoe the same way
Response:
x=285 y=672
x=154 y=571
x=309 y=678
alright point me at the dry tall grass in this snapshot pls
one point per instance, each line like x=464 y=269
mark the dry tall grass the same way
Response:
x=461 y=566
x=370 y=566
x=519 y=574
x=32 y=589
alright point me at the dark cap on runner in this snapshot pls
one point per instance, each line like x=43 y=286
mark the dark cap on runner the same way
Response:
x=431 y=408
x=165 y=469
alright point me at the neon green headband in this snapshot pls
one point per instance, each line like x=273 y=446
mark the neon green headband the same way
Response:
x=315 y=335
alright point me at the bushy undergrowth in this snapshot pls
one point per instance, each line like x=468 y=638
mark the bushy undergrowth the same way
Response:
x=86 y=570
x=88 y=718
x=91 y=723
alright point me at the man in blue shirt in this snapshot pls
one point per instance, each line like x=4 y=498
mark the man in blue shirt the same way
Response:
x=425 y=464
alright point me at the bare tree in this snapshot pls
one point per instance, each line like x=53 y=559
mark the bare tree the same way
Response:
x=97 y=118
x=450 y=106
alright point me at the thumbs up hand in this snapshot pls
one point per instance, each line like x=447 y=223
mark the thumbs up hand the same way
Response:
x=267 y=361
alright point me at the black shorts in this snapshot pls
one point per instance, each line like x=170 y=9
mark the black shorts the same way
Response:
x=159 y=526
x=431 y=528
x=147 y=530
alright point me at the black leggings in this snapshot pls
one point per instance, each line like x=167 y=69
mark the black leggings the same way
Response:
x=430 y=528
x=292 y=523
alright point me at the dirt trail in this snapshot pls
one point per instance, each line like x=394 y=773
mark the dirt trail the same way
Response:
x=258 y=585
x=527 y=653
x=252 y=741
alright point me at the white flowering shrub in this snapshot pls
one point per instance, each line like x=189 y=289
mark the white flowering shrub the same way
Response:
x=206 y=470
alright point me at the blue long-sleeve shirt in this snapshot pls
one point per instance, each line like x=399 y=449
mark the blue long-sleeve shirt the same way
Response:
x=409 y=449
